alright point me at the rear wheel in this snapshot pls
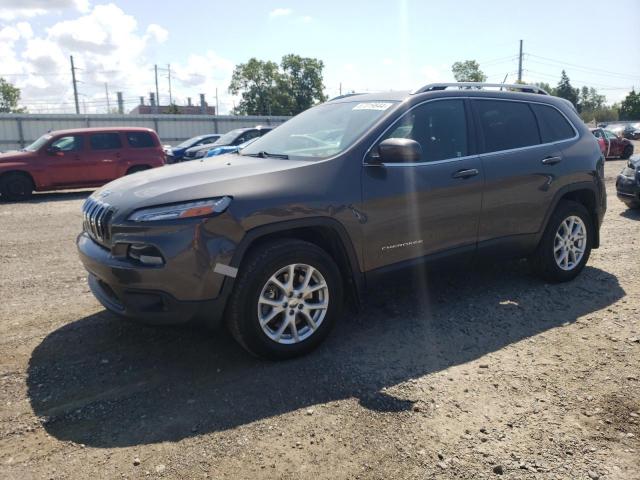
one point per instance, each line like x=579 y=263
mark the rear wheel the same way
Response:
x=566 y=243
x=16 y=186
x=627 y=152
x=287 y=297
x=137 y=168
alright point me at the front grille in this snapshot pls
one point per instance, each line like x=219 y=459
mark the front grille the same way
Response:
x=97 y=220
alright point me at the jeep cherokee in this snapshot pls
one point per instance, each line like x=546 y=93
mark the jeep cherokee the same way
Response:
x=271 y=240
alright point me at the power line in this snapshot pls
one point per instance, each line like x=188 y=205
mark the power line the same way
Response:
x=607 y=72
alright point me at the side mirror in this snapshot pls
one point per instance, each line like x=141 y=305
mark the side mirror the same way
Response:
x=398 y=150
x=54 y=150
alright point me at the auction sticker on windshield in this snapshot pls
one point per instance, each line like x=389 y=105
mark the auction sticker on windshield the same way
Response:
x=373 y=106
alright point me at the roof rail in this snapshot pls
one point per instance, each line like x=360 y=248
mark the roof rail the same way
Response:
x=480 y=85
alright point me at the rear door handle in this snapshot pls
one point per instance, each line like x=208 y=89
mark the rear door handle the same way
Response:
x=551 y=160
x=472 y=172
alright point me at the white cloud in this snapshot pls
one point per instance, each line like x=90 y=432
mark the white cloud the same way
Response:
x=158 y=33
x=12 y=9
x=280 y=12
x=306 y=19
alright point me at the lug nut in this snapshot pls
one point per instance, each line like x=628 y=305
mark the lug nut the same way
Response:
x=290 y=294
x=300 y=307
x=291 y=312
x=285 y=304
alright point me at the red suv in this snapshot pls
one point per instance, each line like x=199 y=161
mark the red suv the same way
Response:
x=85 y=157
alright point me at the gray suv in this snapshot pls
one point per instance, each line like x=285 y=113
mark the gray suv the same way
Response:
x=273 y=241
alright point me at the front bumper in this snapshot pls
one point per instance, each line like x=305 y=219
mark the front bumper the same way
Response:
x=169 y=294
x=628 y=189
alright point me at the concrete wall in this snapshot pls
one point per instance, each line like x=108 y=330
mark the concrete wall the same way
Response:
x=18 y=130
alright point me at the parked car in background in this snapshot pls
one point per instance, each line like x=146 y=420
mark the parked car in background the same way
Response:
x=614 y=145
x=175 y=154
x=272 y=240
x=86 y=157
x=632 y=131
x=214 y=152
x=628 y=184
x=232 y=138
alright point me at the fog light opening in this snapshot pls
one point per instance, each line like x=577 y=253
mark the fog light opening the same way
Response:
x=146 y=254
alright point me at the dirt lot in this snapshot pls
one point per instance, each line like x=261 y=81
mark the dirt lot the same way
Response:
x=472 y=374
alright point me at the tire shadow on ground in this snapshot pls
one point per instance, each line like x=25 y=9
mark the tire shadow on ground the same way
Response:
x=105 y=382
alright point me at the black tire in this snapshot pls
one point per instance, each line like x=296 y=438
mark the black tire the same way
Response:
x=627 y=152
x=137 y=168
x=16 y=186
x=263 y=262
x=543 y=261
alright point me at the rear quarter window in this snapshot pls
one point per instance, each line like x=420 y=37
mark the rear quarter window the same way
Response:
x=553 y=125
x=105 y=141
x=140 y=140
x=506 y=125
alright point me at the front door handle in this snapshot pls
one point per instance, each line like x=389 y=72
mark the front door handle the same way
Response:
x=472 y=172
x=551 y=160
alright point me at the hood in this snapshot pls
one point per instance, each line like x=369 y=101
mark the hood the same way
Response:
x=15 y=156
x=230 y=175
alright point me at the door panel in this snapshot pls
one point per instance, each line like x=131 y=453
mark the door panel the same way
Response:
x=413 y=211
x=65 y=166
x=103 y=157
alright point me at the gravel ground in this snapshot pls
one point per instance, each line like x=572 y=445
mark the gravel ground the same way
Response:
x=479 y=373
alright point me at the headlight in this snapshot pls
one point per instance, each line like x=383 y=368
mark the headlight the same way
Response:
x=200 y=208
x=201 y=153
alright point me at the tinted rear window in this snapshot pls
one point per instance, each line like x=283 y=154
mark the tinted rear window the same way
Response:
x=553 y=126
x=105 y=141
x=140 y=140
x=506 y=125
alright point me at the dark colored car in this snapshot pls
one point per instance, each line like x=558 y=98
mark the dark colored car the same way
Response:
x=273 y=239
x=80 y=158
x=628 y=184
x=614 y=145
x=232 y=138
x=175 y=154
x=632 y=131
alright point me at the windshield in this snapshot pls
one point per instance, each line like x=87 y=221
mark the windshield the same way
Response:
x=188 y=143
x=228 y=137
x=322 y=131
x=38 y=144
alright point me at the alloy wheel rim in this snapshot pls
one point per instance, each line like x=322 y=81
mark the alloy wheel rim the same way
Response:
x=570 y=243
x=293 y=303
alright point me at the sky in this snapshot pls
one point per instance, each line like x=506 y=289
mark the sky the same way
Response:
x=365 y=46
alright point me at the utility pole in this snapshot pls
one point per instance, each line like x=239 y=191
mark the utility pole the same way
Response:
x=217 y=106
x=155 y=67
x=340 y=88
x=520 y=64
x=75 y=85
x=169 y=76
x=106 y=91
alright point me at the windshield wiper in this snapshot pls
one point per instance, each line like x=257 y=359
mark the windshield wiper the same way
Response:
x=264 y=154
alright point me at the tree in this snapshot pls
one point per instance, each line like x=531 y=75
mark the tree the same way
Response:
x=630 y=106
x=546 y=87
x=271 y=89
x=9 y=98
x=468 y=71
x=565 y=90
x=172 y=109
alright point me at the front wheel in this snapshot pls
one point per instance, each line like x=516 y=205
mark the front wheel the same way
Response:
x=15 y=186
x=286 y=299
x=566 y=243
x=627 y=152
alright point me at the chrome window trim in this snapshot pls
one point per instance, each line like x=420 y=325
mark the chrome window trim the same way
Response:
x=478 y=155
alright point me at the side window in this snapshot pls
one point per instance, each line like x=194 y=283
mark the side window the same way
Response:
x=105 y=141
x=553 y=126
x=72 y=143
x=610 y=135
x=439 y=127
x=506 y=125
x=249 y=135
x=140 y=140
x=597 y=133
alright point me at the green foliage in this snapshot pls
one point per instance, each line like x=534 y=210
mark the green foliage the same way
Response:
x=9 y=98
x=630 y=107
x=468 y=71
x=271 y=89
x=565 y=90
x=546 y=87
x=172 y=109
